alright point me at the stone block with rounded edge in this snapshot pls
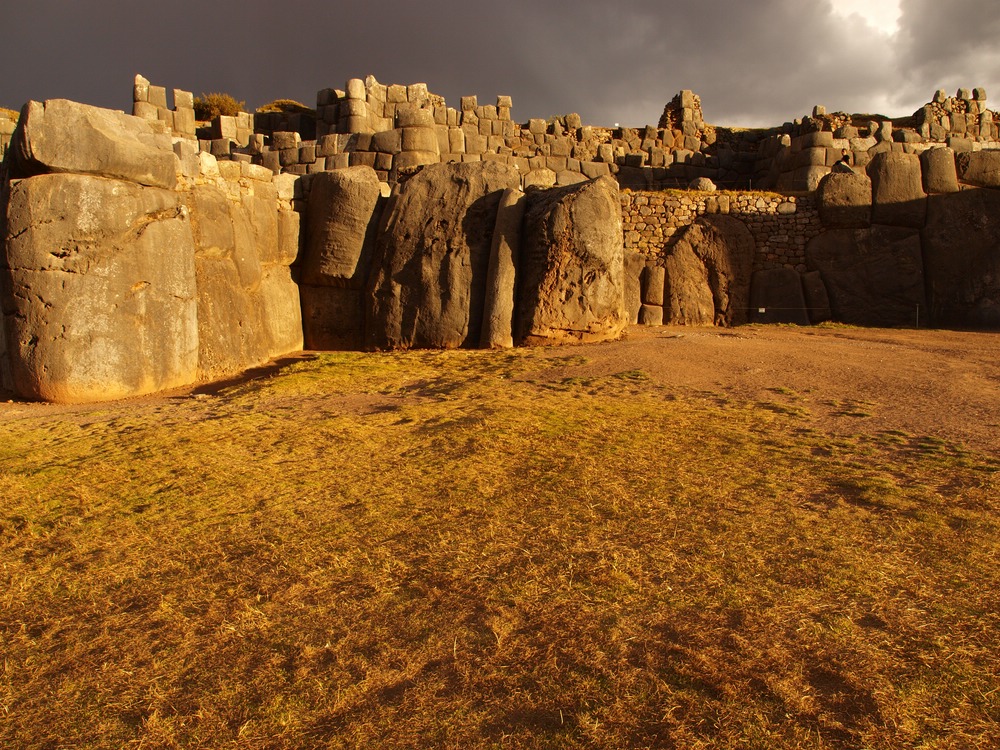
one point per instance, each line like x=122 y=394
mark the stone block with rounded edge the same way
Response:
x=340 y=227
x=898 y=196
x=63 y=136
x=939 y=171
x=501 y=278
x=845 y=200
x=980 y=168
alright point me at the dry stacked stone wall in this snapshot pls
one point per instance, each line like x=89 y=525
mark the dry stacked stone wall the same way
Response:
x=780 y=225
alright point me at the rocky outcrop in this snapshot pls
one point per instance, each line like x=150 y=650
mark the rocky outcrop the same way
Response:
x=101 y=298
x=962 y=256
x=708 y=273
x=873 y=276
x=64 y=136
x=573 y=267
x=428 y=284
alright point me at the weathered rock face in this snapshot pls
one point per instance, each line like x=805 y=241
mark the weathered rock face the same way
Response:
x=845 y=200
x=962 y=253
x=501 y=279
x=817 y=299
x=573 y=280
x=248 y=310
x=708 y=273
x=635 y=265
x=333 y=318
x=776 y=297
x=873 y=276
x=99 y=295
x=341 y=227
x=897 y=190
x=64 y=136
x=981 y=168
x=428 y=281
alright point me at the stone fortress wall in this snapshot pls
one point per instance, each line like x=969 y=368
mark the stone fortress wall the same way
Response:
x=146 y=252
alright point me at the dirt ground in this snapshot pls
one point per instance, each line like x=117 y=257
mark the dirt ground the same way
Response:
x=942 y=384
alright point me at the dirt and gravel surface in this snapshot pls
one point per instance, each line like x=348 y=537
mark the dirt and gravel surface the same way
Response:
x=942 y=384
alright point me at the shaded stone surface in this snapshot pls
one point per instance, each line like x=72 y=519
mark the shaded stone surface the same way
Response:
x=64 y=136
x=573 y=267
x=962 y=254
x=99 y=292
x=428 y=281
x=817 y=300
x=776 y=297
x=332 y=317
x=708 y=273
x=873 y=276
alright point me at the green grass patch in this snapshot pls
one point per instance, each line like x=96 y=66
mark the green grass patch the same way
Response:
x=451 y=549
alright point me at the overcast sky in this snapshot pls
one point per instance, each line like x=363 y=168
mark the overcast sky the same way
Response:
x=754 y=62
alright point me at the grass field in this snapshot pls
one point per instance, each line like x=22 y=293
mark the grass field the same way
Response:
x=452 y=549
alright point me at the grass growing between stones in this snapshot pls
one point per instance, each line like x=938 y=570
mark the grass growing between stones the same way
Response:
x=456 y=550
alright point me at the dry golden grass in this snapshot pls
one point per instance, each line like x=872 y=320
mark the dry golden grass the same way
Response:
x=450 y=549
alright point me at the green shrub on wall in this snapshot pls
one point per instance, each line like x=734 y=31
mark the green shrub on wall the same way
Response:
x=208 y=106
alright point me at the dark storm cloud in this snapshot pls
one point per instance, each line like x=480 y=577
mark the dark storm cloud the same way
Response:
x=759 y=62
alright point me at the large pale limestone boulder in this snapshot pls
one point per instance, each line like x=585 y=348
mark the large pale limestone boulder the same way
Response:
x=501 y=279
x=845 y=200
x=573 y=265
x=428 y=282
x=708 y=273
x=99 y=295
x=340 y=227
x=897 y=190
x=873 y=276
x=248 y=305
x=64 y=136
x=939 y=171
x=962 y=255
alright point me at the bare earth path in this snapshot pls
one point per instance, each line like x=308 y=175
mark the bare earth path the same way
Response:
x=944 y=384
